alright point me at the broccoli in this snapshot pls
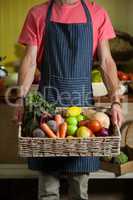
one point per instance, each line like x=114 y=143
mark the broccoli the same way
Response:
x=121 y=159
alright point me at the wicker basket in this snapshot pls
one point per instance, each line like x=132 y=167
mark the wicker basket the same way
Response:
x=49 y=147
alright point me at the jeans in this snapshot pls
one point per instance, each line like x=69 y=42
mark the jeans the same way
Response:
x=49 y=185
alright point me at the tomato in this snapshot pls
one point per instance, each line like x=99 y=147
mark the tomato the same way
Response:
x=120 y=73
x=123 y=76
x=94 y=126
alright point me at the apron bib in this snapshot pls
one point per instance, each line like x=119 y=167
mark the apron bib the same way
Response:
x=66 y=68
x=66 y=80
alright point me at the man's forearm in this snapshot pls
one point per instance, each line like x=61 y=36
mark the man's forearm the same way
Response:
x=109 y=73
x=26 y=75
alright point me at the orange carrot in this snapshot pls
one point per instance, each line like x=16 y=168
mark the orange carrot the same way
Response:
x=58 y=119
x=47 y=130
x=63 y=130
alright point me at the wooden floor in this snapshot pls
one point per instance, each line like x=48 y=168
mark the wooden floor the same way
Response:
x=26 y=189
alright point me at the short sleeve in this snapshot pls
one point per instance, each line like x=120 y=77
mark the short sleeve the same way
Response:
x=106 y=30
x=28 y=34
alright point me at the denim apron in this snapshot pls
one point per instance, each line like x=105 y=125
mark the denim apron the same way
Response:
x=66 y=80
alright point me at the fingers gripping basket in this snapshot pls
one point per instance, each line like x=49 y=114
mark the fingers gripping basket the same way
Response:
x=49 y=147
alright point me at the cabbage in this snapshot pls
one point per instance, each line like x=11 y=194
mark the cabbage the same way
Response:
x=121 y=159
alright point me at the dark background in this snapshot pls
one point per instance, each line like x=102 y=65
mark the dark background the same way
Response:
x=26 y=189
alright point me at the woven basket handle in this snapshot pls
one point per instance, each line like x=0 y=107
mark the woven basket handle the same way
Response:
x=127 y=131
x=118 y=130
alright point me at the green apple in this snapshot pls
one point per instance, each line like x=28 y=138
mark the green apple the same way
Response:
x=71 y=130
x=72 y=121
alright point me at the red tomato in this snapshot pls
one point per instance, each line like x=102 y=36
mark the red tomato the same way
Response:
x=94 y=126
x=123 y=76
x=120 y=73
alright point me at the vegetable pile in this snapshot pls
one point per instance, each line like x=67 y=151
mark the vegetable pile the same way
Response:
x=35 y=107
x=41 y=119
x=120 y=159
x=125 y=76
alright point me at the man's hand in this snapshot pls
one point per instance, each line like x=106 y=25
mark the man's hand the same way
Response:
x=117 y=115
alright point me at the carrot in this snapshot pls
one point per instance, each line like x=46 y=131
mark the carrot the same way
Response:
x=63 y=130
x=47 y=130
x=58 y=119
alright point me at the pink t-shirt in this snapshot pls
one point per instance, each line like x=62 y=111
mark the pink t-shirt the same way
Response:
x=34 y=26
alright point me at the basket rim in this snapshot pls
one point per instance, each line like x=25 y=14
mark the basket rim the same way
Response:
x=76 y=138
x=64 y=139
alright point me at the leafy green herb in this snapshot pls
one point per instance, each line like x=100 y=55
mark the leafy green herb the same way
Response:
x=35 y=107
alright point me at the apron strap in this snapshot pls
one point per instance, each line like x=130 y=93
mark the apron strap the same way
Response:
x=88 y=16
x=49 y=10
x=87 y=12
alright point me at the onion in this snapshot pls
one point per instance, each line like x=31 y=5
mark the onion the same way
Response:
x=103 y=133
x=38 y=133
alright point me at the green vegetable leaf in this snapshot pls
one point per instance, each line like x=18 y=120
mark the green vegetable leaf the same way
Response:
x=35 y=106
